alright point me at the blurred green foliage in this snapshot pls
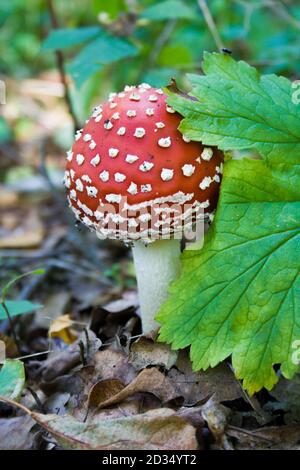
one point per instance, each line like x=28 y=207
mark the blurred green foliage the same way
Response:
x=108 y=44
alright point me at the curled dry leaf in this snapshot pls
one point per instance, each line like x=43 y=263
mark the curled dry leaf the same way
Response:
x=145 y=352
x=61 y=328
x=216 y=416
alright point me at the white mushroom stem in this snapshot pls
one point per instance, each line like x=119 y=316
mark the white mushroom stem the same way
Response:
x=156 y=265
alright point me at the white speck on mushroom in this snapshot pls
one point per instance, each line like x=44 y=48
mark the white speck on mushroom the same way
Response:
x=221 y=168
x=79 y=185
x=96 y=160
x=145 y=85
x=87 y=221
x=86 y=178
x=159 y=91
x=166 y=174
x=104 y=176
x=132 y=189
x=185 y=138
x=85 y=208
x=188 y=170
x=146 y=166
x=217 y=178
x=96 y=111
x=149 y=111
x=111 y=96
x=131 y=158
x=207 y=154
x=152 y=98
x=160 y=125
x=134 y=97
x=113 y=198
x=113 y=105
x=120 y=177
x=164 y=142
x=98 y=118
x=87 y=137
x=198 y=160
x=205 y=183
x=204 y=204
x=92 y=145
x=72 y=173
x=73 y=194
x=79 y=159
x=69 y=155
x=139 y=132
x=99 y=215
x=108 y=125
x=121 y=131
x=131 y=113
x=169 y=109
x=146 y=188
x=113 y=152
x=132 y=223
x=76 y=211
x=145 y=217
x=67 y=180
x=116 y=116
x=78 y=134
x=129 y=88
x=91 y=191
x=121 y=94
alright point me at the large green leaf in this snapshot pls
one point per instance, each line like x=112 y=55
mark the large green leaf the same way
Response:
x=63 y=38
x=170 y=9
x=236 y=108
x=12 y=379
x=105 y=49
x=18 y=307
x=240 y=294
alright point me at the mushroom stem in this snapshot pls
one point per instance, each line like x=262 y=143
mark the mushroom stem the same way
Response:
x=156 y=265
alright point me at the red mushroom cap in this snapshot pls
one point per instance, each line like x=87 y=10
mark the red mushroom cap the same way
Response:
x=130 y=165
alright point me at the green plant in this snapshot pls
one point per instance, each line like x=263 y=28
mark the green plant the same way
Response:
x=240 y=294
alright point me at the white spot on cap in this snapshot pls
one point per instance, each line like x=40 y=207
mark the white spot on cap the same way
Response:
x=164 y=142
x=131 y=113
x=119 y=177
x=166 y=174
x=78 y=134
x=67 y=180
x=204 y=204
x=207 y=154
x=159 y=91
x=134 y=97
x=160 y=125
x=69 y=155
x=149 y=111
x=132 y=223
x=99 y=215
x=108 y=125
x=185 y=138
x=73 y=194
x=129 y=88
x=205 y=183
x=217 y=178
x=113 y=105
x=145 y=217
x=121 y=131
x=86 y=221
x=91 y=191
x=116 y=116
x=96 y=160
x=86 y=178
x=132 y=189
x=111 y=95
x=146 y=188
x=139 y=132
x=113 y=152
x=153 y=98
x=92 y=145
x=98 y=118
x=104 y=176
x=188 y=170
x=131 y=158
x=85 y=208
x=113 y=198
x=169 y=109
x=145 y=85
x=146 y=166
x=79 y=185
x=96 y=111
x=79 y=159
x=72 y=173
x=87 y=137
x=121 y=94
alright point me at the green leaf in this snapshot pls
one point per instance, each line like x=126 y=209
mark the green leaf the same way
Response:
x=12 y=379
x=105 y=49
x=236 y=108
x=18 y=307
x=170 y=9
x=240 y=294
x=64 y=38
x=160 y=76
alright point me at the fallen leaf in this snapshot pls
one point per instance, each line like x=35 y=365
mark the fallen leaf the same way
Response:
x=144 y=352
x=61 y=328
x=15 y=433
x=12 y=379
x=216 y=416
x=103 y=391
x=272 y=437
x=29 y=234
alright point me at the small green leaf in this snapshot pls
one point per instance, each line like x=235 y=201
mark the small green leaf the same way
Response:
x=160 y=77
x=64 y=38
x=12 y=379
x=240 y=294
x=18 y=307
x=170 y=9
x=236 y=108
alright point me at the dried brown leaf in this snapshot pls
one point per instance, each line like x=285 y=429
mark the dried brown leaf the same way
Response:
x=145 y=352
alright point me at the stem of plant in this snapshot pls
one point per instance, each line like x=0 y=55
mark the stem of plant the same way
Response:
x=156 y=266
x=12 y=327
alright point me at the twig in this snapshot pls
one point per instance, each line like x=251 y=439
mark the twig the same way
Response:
x=211 y=24
x=12 y=327
x=61 y=67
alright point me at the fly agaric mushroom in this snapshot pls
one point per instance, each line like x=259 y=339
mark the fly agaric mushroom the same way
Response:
x=131 y=175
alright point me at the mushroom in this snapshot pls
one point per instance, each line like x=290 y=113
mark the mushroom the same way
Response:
x=131 y=175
